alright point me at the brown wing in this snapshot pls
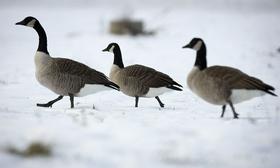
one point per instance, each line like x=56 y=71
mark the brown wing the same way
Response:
x=79 y=70
x=149 y=76
x=236 y=79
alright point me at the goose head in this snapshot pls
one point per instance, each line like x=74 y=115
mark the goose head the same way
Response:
x=195 y=44
x=28 y=21
x=115 y=49
x=111 y=47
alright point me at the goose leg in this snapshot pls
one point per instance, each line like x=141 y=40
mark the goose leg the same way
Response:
x=50 y=103
x=223 y=110
x=136 y=101
x=235 y=115
x=160 y=103
x=71 y=100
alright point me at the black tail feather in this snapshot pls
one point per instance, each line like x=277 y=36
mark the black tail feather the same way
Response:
x=268 y=89
x=177 y=84
x=271 y=93
x=174 y=88
x=113 y=86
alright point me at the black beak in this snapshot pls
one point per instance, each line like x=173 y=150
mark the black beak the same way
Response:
x=187 y=46
x=105 y=50
x=19 y=23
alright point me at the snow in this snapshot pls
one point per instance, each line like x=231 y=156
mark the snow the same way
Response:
x=186 y=133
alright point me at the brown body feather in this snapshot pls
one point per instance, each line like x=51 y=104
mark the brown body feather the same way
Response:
x=236 y=79
x=215 y=84
x=136 y=80
x=222 y=85
x=64 y=76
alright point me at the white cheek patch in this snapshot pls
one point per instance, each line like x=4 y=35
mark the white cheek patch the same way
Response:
x=31 y=23
x=112 y=49
x=197 y=46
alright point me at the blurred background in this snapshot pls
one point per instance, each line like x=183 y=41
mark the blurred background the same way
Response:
x=214 y=4
x=187 y=133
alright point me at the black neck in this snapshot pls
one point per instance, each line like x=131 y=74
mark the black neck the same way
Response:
x=201 y=61
x=118 y=57
x=42 y=38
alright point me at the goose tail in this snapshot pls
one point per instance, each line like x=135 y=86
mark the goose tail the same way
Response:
x=176 y=84
x=173 y=87
x=113 y=86
x=268 y=89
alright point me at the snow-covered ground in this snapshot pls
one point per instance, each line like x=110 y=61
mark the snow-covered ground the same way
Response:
x=187 y=133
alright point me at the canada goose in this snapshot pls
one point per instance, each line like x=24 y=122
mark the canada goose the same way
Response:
x=138 y=80
x=63 y=76
x=221 y=85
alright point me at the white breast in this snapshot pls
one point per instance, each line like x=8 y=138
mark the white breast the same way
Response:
x=113 y=73
x=41 y=60
x=203 y=87
x=240 y=95
x=192 y=77
x=90 y=89
x=153 y=92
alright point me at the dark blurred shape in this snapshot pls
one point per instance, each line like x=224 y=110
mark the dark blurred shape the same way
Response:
x=128 y=26
x=2 y=82
x=278 y=49
x=34 y=149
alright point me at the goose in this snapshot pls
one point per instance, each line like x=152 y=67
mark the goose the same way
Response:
x=138 y=80
x=63 y=76
x=222 y=85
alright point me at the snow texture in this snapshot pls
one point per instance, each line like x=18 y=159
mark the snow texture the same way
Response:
x=187 y=132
